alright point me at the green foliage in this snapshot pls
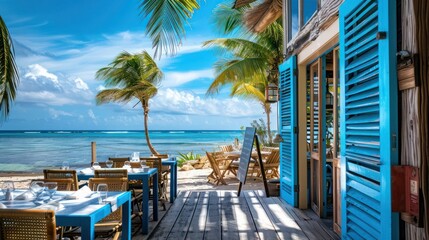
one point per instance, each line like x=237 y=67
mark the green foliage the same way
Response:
x=166 y=22
x=262 y=132
x=9 y=78
x=184 y=157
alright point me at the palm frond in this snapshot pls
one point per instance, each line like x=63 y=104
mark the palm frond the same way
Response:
x=240 y=47
x=9 y=78
x=166 y=23
x=230 y=20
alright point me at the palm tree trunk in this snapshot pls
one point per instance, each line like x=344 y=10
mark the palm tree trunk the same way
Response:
x=145 y=105
x=267 y=112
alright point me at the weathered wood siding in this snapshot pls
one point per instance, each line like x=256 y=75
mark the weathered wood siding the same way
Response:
x=326 y=15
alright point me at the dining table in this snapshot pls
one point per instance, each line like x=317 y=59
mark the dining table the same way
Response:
x=83 y=212
x=144 y=176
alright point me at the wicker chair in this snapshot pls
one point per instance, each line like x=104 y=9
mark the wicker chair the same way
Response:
x=111 y=173
x=226 y=148
x=111 y=224
x=156 y=162
x=62 y=174
x=26 y=224
x=64 y=184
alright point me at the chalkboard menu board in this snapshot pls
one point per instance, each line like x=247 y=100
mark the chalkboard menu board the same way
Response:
x=246 y=153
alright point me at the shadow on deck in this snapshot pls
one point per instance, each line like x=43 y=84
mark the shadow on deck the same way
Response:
x=223 y=215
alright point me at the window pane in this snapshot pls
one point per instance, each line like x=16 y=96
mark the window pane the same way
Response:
x=295 y=22
x=310 y=7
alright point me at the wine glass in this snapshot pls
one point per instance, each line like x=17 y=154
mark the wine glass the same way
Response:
x=109 y=163
x=127 y=165
x=36 y=187
x=102 y=192
x=51 y=187
x=7 y=188
x=143 y=163
x=95 y=165
x=65 y=165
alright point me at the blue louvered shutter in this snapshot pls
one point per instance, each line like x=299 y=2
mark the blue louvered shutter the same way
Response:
x=368 y=118
x=287 y=124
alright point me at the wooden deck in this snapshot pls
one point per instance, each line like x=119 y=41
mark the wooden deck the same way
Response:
x=223 y=215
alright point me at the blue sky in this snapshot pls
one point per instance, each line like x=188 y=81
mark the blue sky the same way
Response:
x=60 y=45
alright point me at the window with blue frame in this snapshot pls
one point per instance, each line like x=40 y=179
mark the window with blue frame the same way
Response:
x=301 y=12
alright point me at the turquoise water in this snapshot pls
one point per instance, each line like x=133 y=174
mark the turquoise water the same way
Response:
x=33 y=151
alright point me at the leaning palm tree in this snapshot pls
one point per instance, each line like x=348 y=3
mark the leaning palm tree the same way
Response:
x=251 y=61
x=131 y=76
x=8 y=71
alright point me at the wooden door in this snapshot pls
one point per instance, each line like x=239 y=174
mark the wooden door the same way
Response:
x=317 y=146
x=369 y=118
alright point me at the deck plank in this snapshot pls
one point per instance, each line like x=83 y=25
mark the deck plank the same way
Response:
x=265 y=228
x=183 y=221
x=198 y=223
x=229 y=218
x=213 y=222
x=163 y=229
x=246 y=227
x=285 y=225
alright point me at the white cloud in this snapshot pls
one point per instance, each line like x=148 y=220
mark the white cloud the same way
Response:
x=92 y=116
x=55 y=114
x=40 y=86
x=174 y=79
x=185 y=103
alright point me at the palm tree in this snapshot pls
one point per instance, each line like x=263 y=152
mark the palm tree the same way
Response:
x=9 y=78
x=131 y=76
x=251 y=60
x=166 y=23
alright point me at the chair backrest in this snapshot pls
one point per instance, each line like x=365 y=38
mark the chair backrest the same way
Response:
x=119 y=162
x=213 y=162
x=111 y=173
x=23 y=224
x=154 y=162
x=226 y=148
x=63 y=184
x=274 y=157
x=113 y=185
x=62 y=174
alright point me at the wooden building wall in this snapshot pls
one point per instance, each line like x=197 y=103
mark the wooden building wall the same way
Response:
x=414 y=103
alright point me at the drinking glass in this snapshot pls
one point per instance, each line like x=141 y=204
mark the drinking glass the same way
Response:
x=109 y=163
x=36 y=187
x=51 y=188
x=7 y=188
x=143 y=163
x=65 y=165
x=127 y=164
x=96 y=165
x=102 y=192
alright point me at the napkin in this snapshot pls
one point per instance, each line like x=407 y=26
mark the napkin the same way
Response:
x=2 y=205
x=86 y=171
x=52 y=205
x=27 y=195
x=81 y=193
x=113 y=203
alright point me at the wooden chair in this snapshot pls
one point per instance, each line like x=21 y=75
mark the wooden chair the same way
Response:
x=112 y=224
x=62 y=174
x=271 y=165
x=23 y=224
x=156 y=162
x=119 y=162
x=220 y=166
x=226 y=148
x=64 y=184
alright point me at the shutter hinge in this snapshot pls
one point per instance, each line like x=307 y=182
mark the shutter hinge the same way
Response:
x=296 y=188
x=394 y=142
x=295 y=129
x=381 y=35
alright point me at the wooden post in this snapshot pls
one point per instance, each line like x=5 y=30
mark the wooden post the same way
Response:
x=93 y=152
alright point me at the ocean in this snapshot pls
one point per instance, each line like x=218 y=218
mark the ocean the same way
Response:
x=32 y=151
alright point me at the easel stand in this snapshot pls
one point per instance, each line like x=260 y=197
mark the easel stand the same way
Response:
x=249 y=138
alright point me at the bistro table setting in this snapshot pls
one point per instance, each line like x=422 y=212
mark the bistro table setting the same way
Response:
x=83 y=208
